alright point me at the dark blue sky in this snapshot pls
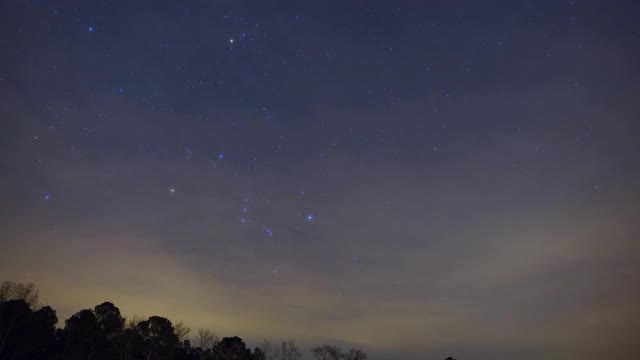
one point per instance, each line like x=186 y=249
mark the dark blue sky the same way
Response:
x=415 y=178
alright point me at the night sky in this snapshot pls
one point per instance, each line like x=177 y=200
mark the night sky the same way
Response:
x=418 y=178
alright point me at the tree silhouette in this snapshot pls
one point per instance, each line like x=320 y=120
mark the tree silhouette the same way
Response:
x=187 y=352
x=10 y=290
x=355 y=354
x=158 y=338
x=43 y=333
x=326 y=352
x=125 y=343
x=231 y=348
x=109 y=319
x=84 y=337
x=288 y=350
x=329 y=352
x=26 y=334
x=181 y=331
x=258 y=354
x=206 y=341
x=112 y=325
x=102 y=333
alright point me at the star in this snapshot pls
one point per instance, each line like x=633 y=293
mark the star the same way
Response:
x=91 y=28
x=172 y=190
x=231 y=41
x=268 y=231
x=47 y=197
x=310 y=217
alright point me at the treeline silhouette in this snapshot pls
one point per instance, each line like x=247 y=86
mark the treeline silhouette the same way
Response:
x=29 y=332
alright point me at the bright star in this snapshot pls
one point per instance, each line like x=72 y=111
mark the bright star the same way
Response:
x=231 y=41
x=47 y=197
x=310 y=217
x=91 y=28
x=172 y=190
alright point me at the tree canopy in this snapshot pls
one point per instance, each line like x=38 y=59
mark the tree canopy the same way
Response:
x=102 y=333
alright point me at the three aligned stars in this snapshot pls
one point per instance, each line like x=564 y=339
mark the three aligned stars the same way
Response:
x=245 y=212
x=244 y=219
